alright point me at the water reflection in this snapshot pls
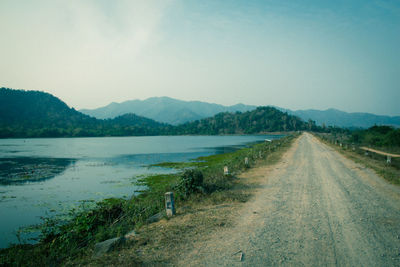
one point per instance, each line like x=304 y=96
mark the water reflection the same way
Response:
x=26 y=169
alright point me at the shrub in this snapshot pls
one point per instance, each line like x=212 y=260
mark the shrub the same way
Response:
x=190 y=182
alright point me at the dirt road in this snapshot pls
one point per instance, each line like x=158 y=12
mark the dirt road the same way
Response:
x=315 y=208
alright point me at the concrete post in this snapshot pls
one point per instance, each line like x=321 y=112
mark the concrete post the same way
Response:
x=259 y=154
x=246 y=161
x=169 y=204
x=389 y=159
x=226 y=171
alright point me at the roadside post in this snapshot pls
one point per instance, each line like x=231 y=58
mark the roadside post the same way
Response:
x=169 y=204
x=226 y=171
x=246 y=161
x=268 y=141
x=389 y=160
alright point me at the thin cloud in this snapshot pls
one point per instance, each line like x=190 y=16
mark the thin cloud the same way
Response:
x=311 y=54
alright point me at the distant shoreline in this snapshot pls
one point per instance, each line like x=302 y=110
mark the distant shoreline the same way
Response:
x=124 y=136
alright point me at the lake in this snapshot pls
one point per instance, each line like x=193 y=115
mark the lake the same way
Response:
x=49 y=176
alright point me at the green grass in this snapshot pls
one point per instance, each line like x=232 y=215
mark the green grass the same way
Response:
x=62 y=241
x=177 y=165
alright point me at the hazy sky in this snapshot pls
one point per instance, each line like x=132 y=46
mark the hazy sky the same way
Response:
x=292 y=54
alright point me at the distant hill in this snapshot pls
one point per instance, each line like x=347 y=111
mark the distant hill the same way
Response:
x=260 y=120
x=37 y=109
x=334 y=117
x=165 y=109
x=175 y=112
x=38 y=114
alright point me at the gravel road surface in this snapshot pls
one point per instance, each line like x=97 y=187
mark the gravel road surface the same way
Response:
x=315 y=208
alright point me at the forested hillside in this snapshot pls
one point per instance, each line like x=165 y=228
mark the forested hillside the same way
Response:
x=260 y=120
x=39 y=114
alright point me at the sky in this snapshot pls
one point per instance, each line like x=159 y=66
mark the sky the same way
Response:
x=292 y=54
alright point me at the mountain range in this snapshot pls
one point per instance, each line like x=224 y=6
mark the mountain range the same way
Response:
x=175 y=112
x=39 y=114
x=165 y=109
x=335 y=117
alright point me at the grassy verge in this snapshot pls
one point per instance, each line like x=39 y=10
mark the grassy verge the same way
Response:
x=376 y=162
x=199 y=192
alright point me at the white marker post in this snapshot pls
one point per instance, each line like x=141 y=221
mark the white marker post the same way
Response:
x=268 y=141
x=389 y=160
x=246 y=161
x=226 y=171
x=169 y=204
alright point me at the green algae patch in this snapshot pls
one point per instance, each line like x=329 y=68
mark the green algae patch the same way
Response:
x=177 y=165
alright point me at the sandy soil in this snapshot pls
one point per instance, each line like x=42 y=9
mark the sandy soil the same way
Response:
x=315 y=208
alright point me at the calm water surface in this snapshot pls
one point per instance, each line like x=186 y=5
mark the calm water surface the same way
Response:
x=44 y=177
